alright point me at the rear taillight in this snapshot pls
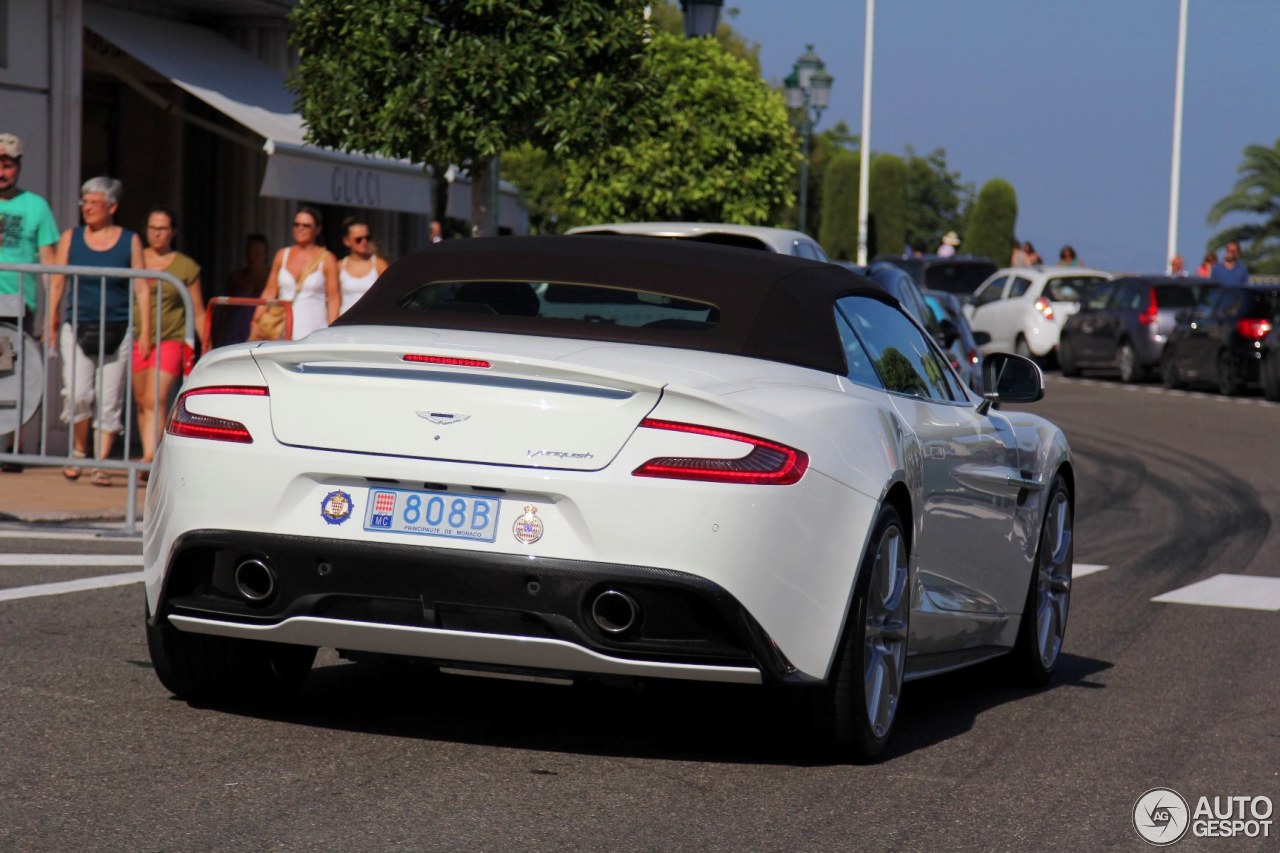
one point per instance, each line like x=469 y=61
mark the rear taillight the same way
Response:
x=974 y=358
x=188 y=424
x=447 y=360
x=767 y=463
x=1045 y=307
x=1252 y=328
x=1148 y=315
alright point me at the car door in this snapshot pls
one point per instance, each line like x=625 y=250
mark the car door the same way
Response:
x=982 y=314
x=1127 y=301
x=965 y=476
x=1194 y=352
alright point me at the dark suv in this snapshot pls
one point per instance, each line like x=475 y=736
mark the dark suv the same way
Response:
x=1219 y=342
x=960 y=274
x=1123 y=324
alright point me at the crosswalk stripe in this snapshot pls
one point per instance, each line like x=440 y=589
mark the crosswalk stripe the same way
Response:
x=80 y=585
x=1243 y=591
x=12 y=560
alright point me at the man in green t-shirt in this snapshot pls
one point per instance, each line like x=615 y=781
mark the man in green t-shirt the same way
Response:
x=28 y=235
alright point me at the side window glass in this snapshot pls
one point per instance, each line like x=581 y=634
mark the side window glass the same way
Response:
x=1019 y=287
x=1205 y=306
x=993 y=291
x=902 y=356
x=1229 y=305
x=859 y=367
x=801 y=249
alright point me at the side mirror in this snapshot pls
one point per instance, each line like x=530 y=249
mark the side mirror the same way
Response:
x=1008 y=378
x=981 y=338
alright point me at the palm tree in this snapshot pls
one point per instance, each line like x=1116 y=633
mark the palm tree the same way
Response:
x=1257 y=195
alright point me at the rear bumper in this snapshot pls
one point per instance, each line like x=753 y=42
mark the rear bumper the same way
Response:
x=449 y=606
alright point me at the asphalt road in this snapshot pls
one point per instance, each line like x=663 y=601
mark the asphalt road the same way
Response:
x=1173 y=489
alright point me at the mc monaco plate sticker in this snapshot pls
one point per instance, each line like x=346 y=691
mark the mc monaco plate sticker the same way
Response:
x=528 y=527
x=454 y=516
x=336 y=507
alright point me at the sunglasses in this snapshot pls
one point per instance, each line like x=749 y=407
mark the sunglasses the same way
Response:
x=303 y=225
x=364 y=239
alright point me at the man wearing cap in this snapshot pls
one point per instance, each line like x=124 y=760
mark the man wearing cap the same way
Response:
x=28 y=235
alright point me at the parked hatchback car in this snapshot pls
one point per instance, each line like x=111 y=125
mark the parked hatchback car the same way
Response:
x=780 y=240
x=1269 y=369
x=958 y=274
x=1023 y=308
x=1123 y=325
x=1219 y=342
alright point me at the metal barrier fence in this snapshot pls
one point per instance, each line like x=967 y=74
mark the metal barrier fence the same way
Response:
x=26 y=399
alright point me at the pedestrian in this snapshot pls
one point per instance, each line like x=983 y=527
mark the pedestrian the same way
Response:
x=305 y=275
x=361 y=267
x=437 y=231
x=1231 y=270
x=1207 y=265
x=245 y=283
x=94 y=354
x=28 y=235
x=1175 y=266
x=949 y=242
x=1067 y=257
x=1018 y=257
x=172 y=356
x=1033 y=257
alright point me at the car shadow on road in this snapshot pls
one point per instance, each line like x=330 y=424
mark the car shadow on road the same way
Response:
x=661 y=720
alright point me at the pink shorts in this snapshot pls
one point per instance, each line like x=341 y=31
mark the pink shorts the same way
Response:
x=175 y=358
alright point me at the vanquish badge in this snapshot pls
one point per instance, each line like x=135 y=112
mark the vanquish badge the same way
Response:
x=336 y=507
x=528 y=527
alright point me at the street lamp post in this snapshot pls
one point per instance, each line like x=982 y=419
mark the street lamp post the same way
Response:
x=701 y=17
x=808 y=90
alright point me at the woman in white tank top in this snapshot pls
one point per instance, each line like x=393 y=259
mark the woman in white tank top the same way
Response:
x=305 y=274
x=361 y=267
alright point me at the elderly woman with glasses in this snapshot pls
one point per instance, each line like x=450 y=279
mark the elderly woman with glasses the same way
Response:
x=305 y=275
x=88 y=324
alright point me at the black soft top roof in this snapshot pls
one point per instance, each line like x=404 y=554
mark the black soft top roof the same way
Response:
x=772 y=306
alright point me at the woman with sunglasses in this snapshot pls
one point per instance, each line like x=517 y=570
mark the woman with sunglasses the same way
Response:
x=361 y=267
x=306 y=275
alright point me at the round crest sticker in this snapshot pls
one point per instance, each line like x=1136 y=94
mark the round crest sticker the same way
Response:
x=336 y=507
x=528 y=527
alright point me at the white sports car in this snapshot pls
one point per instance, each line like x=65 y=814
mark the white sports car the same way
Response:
x=566 y=458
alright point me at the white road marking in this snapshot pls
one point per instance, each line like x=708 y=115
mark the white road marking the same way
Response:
x=70 y=586
x=1243 y=591
x=11 y=560
x=1079 y=570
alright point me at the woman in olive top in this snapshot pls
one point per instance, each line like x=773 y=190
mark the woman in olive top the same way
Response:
x=173 y=356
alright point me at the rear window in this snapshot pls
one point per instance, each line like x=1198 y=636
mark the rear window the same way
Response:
x=957 y=278
x=1263 y=303
x=585 y=303
x=1071 y=288
x=1172 y=296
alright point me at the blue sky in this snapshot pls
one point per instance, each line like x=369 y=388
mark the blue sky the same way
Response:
x=1071 y=101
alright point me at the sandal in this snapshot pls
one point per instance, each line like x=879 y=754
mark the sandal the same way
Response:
x=72 y=472
x=100 y=477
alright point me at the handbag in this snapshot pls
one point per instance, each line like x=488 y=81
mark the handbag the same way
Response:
x=106 y=338
x=270 y=324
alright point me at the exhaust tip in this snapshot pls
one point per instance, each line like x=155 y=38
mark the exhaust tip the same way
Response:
x=255 y=580
x=615 y=612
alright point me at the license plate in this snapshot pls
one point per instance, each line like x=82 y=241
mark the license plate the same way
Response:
x=432 y=514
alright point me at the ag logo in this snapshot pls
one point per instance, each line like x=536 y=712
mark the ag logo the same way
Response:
x=1161 y=816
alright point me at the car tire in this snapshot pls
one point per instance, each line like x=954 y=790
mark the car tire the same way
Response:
x=853 y=714
x=1043 y=625
x=1229 y=384
x=1270 y=371
x=1131 y=370
x=1021 y=348
x=1067 y=359
x=1170 y=375
x=207 y=668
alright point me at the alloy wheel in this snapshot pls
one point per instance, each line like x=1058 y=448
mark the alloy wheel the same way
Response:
x=885 y=634
x=1053 y=580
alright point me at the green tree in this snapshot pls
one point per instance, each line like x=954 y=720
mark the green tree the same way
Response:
x=935 y=199
x=839 y=231
x=714 y=145
x=460 y=81
x=887 y=204
x=1256 y=195
x=992 y=221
